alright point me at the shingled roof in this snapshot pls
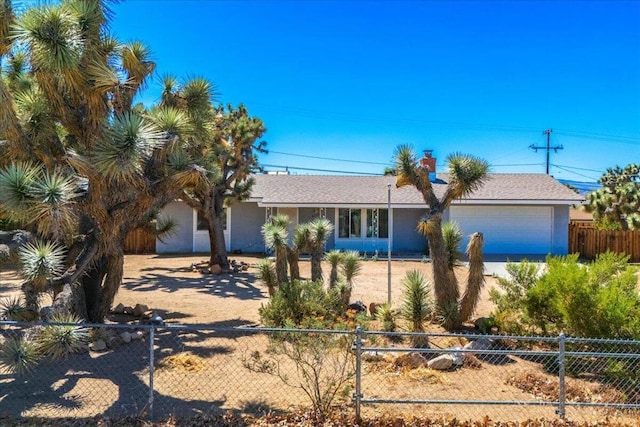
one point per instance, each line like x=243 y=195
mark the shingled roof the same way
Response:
x=336 y=190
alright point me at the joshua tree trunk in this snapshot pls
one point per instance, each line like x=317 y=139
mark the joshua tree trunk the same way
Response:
x=475 y=281
x=281 y=264
x=293 y=257
x=317 y=253
x=445 y=289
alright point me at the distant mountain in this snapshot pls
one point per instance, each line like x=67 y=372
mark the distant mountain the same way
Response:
x=582 y=187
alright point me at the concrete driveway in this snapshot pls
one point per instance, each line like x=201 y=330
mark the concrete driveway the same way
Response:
x=495 y=265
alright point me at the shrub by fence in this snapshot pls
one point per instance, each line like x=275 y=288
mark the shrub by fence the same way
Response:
x=159 y=371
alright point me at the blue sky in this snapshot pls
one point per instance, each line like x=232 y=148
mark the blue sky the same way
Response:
x=353 y=80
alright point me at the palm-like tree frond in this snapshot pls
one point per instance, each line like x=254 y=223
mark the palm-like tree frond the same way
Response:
x=198 y=94
x=281 y=220
x=466 y=174
x=53 y=198
x=405 y=161
x=130 y=142
x=275 y=235
x=41 y=260
x=452 y=235
x=171 y=121
x=350 y=266
x=59 y=341
x=16 y=183
x=18 y=356
x=54 y=38
x=136 y=60
x=320 y=229
x=7 y=16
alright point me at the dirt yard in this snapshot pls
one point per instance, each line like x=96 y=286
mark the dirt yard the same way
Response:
x=180 y=294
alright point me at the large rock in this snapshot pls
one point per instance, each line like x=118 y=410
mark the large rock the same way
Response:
x=480 y=344
x=98 y=345
x=442 y=362
x=140 y=309
x=126 y=337
x=118 y=309
x=411 y=360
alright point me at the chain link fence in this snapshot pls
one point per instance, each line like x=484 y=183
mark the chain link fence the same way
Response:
x=157 y=371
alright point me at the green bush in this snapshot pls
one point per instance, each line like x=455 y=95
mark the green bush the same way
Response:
x=594 y=300
x=300 y=302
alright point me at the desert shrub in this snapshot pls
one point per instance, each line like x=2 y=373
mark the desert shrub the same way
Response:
x=296 y=302
x=522 y=276
x=324 y=364
x=594 y=300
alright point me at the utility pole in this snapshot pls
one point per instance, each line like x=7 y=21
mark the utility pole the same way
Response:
x=548 y=146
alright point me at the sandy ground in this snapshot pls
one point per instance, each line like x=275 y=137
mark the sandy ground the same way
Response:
x=169 y=286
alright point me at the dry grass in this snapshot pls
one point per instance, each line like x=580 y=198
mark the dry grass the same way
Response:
x=183 y=362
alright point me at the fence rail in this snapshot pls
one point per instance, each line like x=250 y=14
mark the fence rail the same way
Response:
x=158 y=371
x=589 y=242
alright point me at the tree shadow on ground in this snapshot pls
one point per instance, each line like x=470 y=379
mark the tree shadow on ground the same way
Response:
x=239 y=285
x=114 y=383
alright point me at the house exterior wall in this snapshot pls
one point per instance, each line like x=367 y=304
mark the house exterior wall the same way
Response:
x=560 y=230
x=182 y=240
x=247 y=219
x=405 y=236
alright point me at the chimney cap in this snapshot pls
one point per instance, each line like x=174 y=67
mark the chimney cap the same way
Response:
x=427 y=153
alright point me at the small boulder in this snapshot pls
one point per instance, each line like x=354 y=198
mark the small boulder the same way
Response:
x=215 y=269
x=98 y=345
x=140 y=309
x=136 y=335
x=114 y=341
x=442 y=362
x=411 y=360
x=480 y=344
x=128 y=310
x=126 y=337
x=118 y=309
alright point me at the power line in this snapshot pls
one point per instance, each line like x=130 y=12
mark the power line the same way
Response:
x=575 y=173
x=322 y=170
x=330 y=158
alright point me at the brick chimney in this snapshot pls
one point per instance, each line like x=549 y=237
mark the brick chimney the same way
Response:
x=429 y=162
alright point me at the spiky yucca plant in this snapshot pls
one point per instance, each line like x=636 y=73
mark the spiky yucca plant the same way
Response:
x=267 y=273
x=12 y=308
x=416 y=304
x=18 y=356
x=333 y=258
x=387 y=316
x=67 y=337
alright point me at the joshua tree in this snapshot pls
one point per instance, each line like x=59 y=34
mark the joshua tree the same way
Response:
x=465 y=175
x=275 y=237
x=319 y=231
x=617 y=204
x=334 y=258
x=80 y=165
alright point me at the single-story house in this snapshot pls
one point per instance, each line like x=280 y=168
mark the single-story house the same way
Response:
x=517 y=213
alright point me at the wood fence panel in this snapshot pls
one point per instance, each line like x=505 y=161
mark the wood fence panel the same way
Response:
x=140 y=242
x=589 y=242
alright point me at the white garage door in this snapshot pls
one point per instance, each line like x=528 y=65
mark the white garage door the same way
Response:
x=507 y=229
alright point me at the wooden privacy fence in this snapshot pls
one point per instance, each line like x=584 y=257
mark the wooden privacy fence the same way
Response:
x=589 y=242
x=140 y=242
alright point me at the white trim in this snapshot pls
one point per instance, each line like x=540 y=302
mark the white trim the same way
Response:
x=487 y=202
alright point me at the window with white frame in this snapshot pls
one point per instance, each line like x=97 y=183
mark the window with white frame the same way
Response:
x=377 y=223
x=355 y=223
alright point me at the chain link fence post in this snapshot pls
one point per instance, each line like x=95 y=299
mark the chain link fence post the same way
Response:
x=561 y=376
x=155 y=322
x=357 y=347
